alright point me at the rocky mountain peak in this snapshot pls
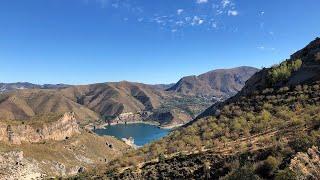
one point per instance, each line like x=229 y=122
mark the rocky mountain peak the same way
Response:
x=311 y=51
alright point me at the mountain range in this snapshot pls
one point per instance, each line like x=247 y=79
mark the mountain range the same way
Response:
x=106 y=101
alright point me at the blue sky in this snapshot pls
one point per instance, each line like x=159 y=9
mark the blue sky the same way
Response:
x=149 y=41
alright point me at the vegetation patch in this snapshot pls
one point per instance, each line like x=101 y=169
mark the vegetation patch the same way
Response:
x=283 y=71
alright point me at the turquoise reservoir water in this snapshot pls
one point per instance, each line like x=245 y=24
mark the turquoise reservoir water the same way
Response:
x=141 y=133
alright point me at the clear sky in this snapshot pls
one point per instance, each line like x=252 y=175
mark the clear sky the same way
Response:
x=149 y=41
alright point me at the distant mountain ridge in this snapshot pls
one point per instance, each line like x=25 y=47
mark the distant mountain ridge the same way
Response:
x=218 y=83
x=123 y=101
x=7 y=87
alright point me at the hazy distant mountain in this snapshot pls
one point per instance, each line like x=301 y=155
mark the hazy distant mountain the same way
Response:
x=162 y=86
x=219 y=83
x=7 y=87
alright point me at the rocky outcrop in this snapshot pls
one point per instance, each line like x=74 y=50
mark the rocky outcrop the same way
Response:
x=58 y=158
x=13 y=166
x=131 y=117
x=130 y=142
x=164 y=118
x=61 y=129
x=307 y=165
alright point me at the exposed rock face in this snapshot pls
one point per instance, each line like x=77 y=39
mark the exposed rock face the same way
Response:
x=63 y=128
x=13 y=166
x=132 y=117
x=58 y=158
x=172 y=117
x=130 y=142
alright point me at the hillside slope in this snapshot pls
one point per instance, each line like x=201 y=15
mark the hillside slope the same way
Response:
x=24 y=104
x=302 y=68
x=218 y=83
x=110 y=99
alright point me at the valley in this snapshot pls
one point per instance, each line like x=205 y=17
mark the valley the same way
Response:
x=159 y=90
x=62 y=130
x=269 y=130
x=239 y=123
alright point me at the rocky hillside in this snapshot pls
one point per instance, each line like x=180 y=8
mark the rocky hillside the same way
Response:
x=217 y=83
x=58 y=158
x=34 y=132
x=51 y=148
x=302 y=68
x=261 y=133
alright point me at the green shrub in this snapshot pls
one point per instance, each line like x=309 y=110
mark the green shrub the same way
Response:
x=162 y=158
x=268 y=167
x=245 y=172
x=301 y=143
x=286 y=174
x=283 y=71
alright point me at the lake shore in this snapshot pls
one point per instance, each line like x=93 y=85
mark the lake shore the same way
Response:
x=153 y=123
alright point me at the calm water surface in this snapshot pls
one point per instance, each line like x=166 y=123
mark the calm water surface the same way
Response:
x=141 y=133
